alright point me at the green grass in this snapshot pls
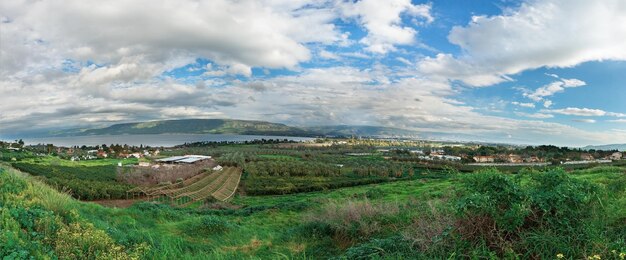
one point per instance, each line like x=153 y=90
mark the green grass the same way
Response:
x=56 y=161
x=279 y=157
x=278 y=226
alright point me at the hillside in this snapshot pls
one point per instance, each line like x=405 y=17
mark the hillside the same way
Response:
x=607 y=147
x=192 y=126
x=433 y=218
x=359 y=130
x=232 y=126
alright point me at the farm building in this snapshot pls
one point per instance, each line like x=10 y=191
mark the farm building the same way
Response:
x=184 y=159
x=484 y=159
x=616 y=156
x=514 y=158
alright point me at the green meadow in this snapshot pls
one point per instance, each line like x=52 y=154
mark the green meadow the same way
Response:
x=485 y=214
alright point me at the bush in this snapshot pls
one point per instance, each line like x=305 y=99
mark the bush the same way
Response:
x=32 y=226
x=387 y=248
x=552 y=210
x=86 y=183
x=354 y=220
x=207 y=225
x=374 y=193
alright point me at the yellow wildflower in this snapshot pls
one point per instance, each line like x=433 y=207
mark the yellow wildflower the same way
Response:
x=559 y=256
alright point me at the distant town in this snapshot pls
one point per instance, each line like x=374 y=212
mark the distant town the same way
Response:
x=397 y=150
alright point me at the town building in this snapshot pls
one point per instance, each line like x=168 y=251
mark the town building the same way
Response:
x=514 y=158
x=484 y=159
x=615 y=156
x=184 y=159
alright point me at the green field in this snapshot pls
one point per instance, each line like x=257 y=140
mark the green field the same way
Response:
x=581 y=214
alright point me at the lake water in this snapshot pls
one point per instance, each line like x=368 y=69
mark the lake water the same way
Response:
x=166 y=140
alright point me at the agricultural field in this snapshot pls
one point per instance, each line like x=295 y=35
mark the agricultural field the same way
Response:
x=302 y=203
x=485 y=214
x=219 y=185
x=86 y=180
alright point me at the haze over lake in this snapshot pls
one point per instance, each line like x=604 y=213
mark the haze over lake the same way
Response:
x=152 y=140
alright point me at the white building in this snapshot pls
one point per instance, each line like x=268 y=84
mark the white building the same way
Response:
x=616 y=156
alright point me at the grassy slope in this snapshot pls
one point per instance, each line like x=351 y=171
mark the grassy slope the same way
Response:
x=264 y=226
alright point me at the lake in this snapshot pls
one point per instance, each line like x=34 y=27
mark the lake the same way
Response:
x=166 y=140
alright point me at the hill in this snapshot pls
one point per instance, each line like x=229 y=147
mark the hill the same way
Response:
x=607 y=147
x=191 y=126
x=360 y=130
x=573 y=214
x=232 y=126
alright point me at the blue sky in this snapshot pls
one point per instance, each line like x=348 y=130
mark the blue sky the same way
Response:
x=529 y=72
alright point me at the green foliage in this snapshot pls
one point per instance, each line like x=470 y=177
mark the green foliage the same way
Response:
x=387 y=248
x=267 y=185
x=432 y=216
x=82 y=182
x=549 y=209
x=31 y=230
x=291 y=168
x=206 y=225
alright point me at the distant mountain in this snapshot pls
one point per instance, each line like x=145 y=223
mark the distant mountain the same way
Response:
x=360 y=130
x=607 y=147
x=231 y=126
x=191 y=126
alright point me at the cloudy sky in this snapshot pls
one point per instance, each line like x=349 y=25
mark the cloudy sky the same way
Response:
x=550 y=71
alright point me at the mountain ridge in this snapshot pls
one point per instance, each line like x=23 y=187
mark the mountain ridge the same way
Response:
x=233 y=126
x=620 y=147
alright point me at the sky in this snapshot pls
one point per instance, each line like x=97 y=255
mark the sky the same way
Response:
x=526 y=72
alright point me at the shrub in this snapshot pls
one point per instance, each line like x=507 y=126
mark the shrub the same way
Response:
x=354 y=220
x=84 y=241
x=551 y=213
x=387 y=248
x=206 y=225
x=374 y=193
x=430 y=227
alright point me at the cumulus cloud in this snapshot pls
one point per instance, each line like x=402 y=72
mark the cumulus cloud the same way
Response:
x=538 y=34
x=547 y=103
x=383 y=22
x=84 y=66
x=553 y=88
x=268 y=34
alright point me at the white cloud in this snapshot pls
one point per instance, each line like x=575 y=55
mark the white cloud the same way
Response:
x=89 y=62
x=617 y=121
x=445 y=66
x=383 y=22
x=553 y=88
x=574 y=111
x=573 y=83
x=528 y=105
x=232 y=33
x=535 y=115
x=552 y=33
x=547 y=103
x=588 y=121
x=328 y=55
